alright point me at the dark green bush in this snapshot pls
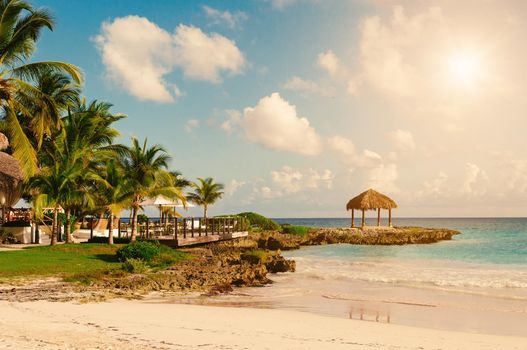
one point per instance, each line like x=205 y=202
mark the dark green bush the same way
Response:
x=134 y=265
x=7 y=237
x=295 y=230
x=145 y=251
x=116 y=240
x=259 y=221
x=17 y=223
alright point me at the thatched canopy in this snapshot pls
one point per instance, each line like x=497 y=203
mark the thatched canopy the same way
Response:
x=10 y=179
x=370 y=200
x=4 y=142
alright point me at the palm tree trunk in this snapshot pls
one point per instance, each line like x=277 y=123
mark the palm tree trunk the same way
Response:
x=205 y=212
x=134 y=225
x=110 y=228
x=54 y=226
x=68 y=226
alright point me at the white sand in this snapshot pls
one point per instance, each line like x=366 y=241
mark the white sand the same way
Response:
x=123 y=324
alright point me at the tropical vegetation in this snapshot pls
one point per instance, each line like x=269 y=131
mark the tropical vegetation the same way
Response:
x=66 y=145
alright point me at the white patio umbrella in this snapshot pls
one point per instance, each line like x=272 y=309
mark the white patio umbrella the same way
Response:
x=161 y=201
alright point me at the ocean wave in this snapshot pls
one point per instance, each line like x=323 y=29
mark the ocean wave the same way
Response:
x=416 y=274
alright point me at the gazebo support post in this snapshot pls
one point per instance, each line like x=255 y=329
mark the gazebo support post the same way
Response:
x=363 y=219
x=352 y=218
x=378 y=217
x=390 y=217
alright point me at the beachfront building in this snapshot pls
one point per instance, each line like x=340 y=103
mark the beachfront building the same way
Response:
x=371 y=200
x=10 y=178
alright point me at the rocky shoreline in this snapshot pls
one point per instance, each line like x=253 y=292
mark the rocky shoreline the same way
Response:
x=218 y=267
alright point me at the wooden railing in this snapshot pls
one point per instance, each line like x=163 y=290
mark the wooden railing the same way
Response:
x=186 y=227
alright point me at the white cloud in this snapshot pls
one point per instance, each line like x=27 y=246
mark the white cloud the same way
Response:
x=291 y=180
x=476 y=180
x=330 y=63
x=341 y=145
x=266 y=192
x=191 y=125
x=350 y=156
x=274 y=123
x=227 y=18
x=403 y=140
x=436 y=187
x=138 y=54
x=383 y=178
x=233 y=186
x=233 y=119
x=306 y=86
x=203 y=56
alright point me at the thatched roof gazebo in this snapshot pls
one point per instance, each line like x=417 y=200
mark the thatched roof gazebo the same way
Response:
x=10 y=176
x=371 y=200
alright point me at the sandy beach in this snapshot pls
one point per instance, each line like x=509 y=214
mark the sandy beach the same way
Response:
x=127 y=324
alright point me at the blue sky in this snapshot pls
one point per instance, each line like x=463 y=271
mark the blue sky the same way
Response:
x=297 y=105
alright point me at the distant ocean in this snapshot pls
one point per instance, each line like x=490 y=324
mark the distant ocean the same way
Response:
x=500 y=241
x=480 y=277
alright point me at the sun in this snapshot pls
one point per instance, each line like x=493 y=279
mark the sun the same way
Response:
x=465 y=68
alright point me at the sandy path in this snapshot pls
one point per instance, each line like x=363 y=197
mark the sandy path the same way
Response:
x=123 y=324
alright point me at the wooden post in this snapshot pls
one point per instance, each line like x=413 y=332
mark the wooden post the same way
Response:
x=352 y=218
x=91 y=227
x=119 y=228
x=199 y=227
x=378 y=217
x=223 y=223
x=390 y=217
x=175 y=230
x=147 y=228
x=192 y=227
x=363 y=219
x=184 y=227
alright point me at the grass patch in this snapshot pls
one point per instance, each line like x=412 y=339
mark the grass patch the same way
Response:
x=73 y=262
x=256 y=256
x=60 y=260
x=295 y=230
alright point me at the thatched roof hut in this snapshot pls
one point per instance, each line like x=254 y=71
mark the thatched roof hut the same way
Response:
x=371 y=200
x=10 y=176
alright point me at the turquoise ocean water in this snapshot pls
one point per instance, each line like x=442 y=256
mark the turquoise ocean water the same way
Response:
x=496 y=241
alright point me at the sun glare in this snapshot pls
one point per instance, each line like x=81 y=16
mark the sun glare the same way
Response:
x=465 y=68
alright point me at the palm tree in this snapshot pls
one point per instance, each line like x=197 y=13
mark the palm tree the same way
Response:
x=145 y=168
x=53 y=185
x=206 y=193
x=72 y=161
x=20 y=29
x=115 y=193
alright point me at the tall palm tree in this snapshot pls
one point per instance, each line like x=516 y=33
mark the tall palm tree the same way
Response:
x=115 y=193
x=20 y=28
x=206 y=192
x=53 y=185
x=72 y=161
x=145 y=168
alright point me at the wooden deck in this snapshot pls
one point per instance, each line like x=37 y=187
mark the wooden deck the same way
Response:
x=190 y=231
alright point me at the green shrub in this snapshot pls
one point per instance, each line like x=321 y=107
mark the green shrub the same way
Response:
x=62 y=219
x=295 y=230
x=143 y=250
x=142 y=218
x=259 y=221
x=134 y=265
x=256 y=256
x=7 y=237
x=116 y=240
